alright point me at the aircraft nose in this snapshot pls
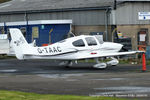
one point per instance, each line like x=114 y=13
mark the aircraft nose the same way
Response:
x=123 y=49
x=119 y=46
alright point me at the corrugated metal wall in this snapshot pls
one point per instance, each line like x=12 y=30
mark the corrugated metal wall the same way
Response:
x=12 y=18
x=92 y=17
x=127 y=13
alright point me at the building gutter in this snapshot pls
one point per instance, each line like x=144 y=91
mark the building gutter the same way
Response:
x=55 y=10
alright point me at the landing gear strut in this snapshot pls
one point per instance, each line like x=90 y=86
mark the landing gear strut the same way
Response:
x=113 y=62
x=66 y=64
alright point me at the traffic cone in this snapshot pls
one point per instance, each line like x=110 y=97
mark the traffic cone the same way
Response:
x=144 y=62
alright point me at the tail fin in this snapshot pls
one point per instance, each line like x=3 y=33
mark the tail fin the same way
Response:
x=19 y=42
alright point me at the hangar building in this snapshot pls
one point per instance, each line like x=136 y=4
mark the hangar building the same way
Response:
x=87 y=16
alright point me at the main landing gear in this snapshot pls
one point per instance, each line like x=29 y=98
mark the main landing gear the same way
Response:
x=100 y=65
x=66 y=64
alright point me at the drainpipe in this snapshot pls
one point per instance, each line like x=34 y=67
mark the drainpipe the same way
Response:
x=26 y=19
x=5 y=28
x=106 y=23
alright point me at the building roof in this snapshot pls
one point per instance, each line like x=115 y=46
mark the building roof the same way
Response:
x=19 y=6
x=53 y=5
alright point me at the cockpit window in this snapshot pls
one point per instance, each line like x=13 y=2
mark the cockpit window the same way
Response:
x=99 y=38
x=78 y=43
x=91 y=41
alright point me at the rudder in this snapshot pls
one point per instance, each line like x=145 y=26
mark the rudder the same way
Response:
x=19 y=42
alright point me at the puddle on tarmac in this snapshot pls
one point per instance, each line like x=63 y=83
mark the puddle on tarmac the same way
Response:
x=8 y=71
x=71 y=80
x=59 y=75
x=122 y=90
x=111 y=79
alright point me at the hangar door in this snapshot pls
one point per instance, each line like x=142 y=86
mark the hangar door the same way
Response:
x=49 y=34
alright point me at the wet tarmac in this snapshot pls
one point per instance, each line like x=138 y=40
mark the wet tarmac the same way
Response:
x=46 y=77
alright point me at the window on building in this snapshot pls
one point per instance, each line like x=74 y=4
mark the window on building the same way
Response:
x=35 y=32
x=79 y=43
x=2 y=31
x=90 y=41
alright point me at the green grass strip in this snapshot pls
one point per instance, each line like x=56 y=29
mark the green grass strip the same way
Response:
x=13 y=95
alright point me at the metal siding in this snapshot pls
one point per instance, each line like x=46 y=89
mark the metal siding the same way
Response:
x=128 y=13
x=76 y=18
x=38 y=16
x=93 y=17
x=11 y=18
x=123 y=14
x=138 y=7
x=101 y=18
x=135 y=9
x=4 y=18
x=59 y=15
x=146 y=8
x=83 y=18
x=65 y=15
x=90 y=18
x=54 y=16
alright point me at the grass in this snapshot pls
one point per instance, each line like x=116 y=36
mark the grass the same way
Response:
x=13 y=95
x=6 y=57
x=1 y=1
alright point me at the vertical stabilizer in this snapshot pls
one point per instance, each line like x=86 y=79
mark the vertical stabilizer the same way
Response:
x=19 y=43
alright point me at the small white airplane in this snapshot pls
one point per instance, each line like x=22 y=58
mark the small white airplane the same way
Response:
x=69 y=50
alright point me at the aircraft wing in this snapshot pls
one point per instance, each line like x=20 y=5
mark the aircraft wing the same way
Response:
x=119 y=53
x=97 y=55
